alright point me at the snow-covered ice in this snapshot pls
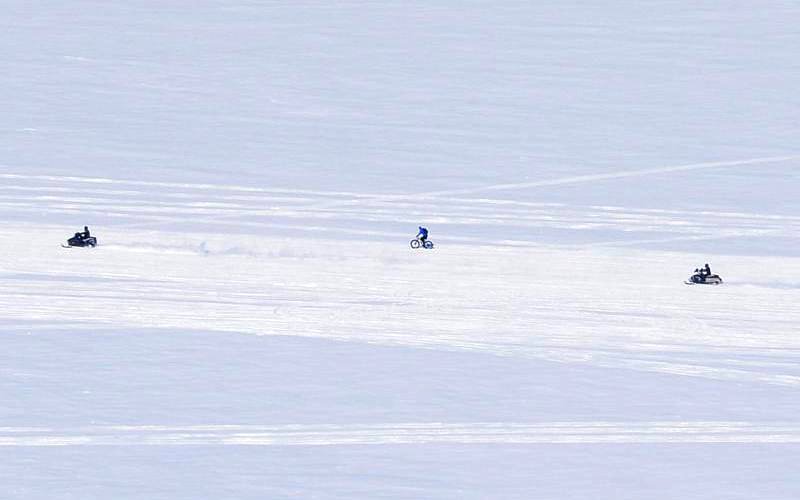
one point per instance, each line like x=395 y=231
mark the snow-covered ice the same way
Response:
x=254 y=323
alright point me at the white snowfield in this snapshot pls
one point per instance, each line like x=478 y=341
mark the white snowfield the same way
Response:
x=254 y=323
x=580 y=344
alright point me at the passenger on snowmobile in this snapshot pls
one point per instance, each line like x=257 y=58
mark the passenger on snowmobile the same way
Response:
x=703 y=276
x=422 y=235
x=82 y=239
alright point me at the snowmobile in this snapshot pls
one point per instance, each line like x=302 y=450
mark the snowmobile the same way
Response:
x=80 y=241
x=700 y=278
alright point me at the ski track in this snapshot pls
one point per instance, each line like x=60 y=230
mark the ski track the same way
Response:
x=406 y=434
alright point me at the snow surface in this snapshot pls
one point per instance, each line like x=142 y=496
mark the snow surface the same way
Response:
x=254 y=324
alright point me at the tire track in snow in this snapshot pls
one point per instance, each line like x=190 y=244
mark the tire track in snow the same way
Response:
x=622 y=174
x=406 y=434
x=577 y=179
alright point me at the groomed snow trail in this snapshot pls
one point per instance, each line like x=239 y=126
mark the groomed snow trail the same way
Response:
x=565 y=303
x=497 y=300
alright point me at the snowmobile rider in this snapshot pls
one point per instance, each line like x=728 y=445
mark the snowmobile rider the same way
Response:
x=85 y=234
x=422 y=235
x=707 y=270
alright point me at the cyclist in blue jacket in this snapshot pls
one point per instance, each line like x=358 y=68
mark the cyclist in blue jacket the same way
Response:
x=422 y=235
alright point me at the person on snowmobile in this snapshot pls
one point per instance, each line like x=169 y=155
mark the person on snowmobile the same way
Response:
x=86 y=234
x=707 y=269
x=422 y=235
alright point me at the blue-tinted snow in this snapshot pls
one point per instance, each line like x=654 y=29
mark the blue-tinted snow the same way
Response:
x=253 y=324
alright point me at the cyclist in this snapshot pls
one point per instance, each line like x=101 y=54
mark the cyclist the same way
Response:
x=422 y=235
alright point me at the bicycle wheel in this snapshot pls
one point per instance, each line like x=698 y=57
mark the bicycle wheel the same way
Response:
x=428 y=245
x=415 y=243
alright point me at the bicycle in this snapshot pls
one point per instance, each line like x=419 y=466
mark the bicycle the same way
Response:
x=417 y=243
